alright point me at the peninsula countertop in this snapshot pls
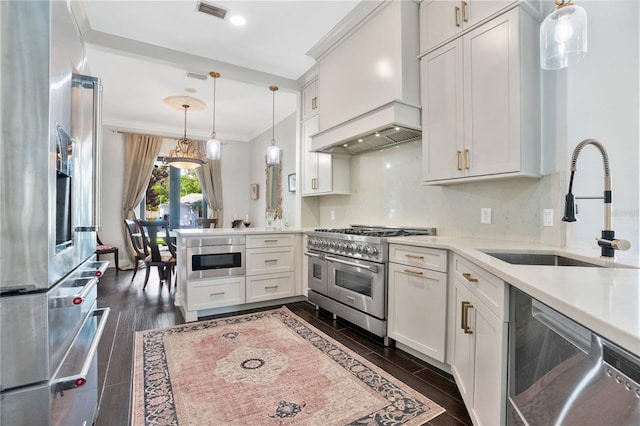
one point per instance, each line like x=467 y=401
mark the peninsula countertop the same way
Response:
x=187 y=232
x=604 y=299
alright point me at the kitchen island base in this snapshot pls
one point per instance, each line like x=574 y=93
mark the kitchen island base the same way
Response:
x=190 y=316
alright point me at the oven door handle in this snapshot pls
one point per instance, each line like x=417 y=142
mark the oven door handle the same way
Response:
x=306 y=253
x=372 y=268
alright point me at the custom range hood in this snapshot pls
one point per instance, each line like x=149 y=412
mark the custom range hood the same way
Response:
x=391 y=124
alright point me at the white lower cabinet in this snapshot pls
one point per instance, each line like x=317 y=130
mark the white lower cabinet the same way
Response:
x=270 y=267
x=215 y=293
x=480 y=326
x=417 y=304
x=269 y=286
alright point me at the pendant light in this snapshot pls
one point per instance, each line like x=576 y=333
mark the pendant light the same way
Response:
x=186 y=155
x=563 y=36
x=214 y=147
x=273 y=152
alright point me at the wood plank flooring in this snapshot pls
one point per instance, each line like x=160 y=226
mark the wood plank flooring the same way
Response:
x=134 y=310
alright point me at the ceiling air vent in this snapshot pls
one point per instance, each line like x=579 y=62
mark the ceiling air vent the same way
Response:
x=212 y=10
x=196 y=75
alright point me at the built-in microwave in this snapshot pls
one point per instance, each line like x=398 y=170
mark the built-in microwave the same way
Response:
x=213 y=257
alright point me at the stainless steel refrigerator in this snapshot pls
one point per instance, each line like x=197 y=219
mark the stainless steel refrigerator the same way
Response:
x=50 y=122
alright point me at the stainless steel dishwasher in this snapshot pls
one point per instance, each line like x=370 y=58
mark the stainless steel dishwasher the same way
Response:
x=561 y=373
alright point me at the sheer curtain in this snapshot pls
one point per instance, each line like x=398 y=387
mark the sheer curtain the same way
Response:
x=210 y=178
x=140 y=154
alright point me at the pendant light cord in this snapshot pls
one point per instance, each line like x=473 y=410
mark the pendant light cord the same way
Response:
x=214 y=107
x=273 y=118
x=185 y=120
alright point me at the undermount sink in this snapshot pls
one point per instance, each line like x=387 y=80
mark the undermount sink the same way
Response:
x=539 y=259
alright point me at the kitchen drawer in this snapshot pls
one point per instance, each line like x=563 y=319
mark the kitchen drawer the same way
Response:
x=208 y=294
x=269 y=260
x=490 y=289
x=269 y=240
x=420 y=257
x=269 y=286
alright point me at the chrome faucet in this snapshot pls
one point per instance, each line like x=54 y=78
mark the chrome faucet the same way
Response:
x=607 y=241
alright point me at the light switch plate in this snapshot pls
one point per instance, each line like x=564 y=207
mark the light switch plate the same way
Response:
x=485 y=215
x=333 y=215
x=547 y=217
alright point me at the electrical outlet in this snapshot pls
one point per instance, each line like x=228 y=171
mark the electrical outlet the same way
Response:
x=547 y=217
x=485 y=215
x=333 y=215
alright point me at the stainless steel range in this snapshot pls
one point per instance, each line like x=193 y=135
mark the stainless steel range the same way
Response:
x=348 y=272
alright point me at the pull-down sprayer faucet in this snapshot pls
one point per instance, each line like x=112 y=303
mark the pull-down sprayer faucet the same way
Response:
x=607 y=241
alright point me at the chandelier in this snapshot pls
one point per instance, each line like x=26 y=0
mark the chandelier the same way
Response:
x=186 y=154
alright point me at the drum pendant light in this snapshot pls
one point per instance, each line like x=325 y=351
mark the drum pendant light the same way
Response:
x=273 y=152
x=214 y=147
x=563 y=36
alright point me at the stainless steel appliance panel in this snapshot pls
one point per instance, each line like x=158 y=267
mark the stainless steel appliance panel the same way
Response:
x=317 y=273
x=24 y=342
x=42 y=50
x=359 y=284
x=562 y=373
x=25 y=406
x=212 y=257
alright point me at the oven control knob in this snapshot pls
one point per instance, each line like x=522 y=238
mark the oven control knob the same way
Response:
x=368 y=250
x=323 y=243
x=359 y=249
x=349 y=247
x=332 y=244
x=373 y=251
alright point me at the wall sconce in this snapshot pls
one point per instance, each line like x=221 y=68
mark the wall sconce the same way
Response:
x=214 y=147
x=563 y=36
x=273 y=152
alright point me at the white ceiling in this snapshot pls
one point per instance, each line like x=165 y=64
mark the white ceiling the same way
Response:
x=143 y=50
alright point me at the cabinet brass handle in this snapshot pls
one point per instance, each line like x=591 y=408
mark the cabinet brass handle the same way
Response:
x=409 y=271
x=465 y=7
x=458 y=166
x=220 y=293
x=314 y=183
x=270 y=241
x=466 y=159
x=465 y=317
x=469 y=278
x=413 y=256
x=456 y=12
x=267 y=287
x=270 y=260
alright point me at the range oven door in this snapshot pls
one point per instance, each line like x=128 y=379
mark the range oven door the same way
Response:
x=215 y=261
x=358 y=284
x=317 y=272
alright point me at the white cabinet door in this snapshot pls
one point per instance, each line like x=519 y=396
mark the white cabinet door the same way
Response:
x=475 y=11
x=310 y=99
x=440 y=21
x=463 y=367
x=417 y=309
x=490 y=373
x=324 y=176
x=442 y=112
x=492 y=101
x=310 y=170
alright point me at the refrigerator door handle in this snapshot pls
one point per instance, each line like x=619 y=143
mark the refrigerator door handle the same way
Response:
x=76 y=380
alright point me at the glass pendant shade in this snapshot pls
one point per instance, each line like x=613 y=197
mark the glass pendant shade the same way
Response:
x=273 y=154
x=214 y=148
x=563 y=36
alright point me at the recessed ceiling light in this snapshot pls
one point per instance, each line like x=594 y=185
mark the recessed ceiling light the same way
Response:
x=346 y=144
x=237 y=20
x=397 y=129
x=359 y=140
x=377 y=134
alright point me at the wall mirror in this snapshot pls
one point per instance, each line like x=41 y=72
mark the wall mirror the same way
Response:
x=273 y=193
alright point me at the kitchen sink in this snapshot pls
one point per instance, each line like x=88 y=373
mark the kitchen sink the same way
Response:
x=539 y=259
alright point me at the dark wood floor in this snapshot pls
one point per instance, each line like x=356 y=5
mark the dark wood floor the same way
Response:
x=133 y=310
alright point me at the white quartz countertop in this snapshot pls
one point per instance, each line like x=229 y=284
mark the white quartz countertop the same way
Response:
x=603 y=299
x=237 y=231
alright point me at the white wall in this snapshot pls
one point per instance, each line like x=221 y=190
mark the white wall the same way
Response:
x=598 y=98
x=235 y=178
x=287 y=141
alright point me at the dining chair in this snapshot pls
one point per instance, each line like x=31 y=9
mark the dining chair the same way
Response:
x=135 y=236
x=206 y=223
x=102 y=248
x=164 y=260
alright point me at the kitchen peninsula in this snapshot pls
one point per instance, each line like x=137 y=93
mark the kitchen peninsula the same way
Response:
x=225 y=270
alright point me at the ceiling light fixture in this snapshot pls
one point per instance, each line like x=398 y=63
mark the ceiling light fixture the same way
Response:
x=186 y=155
x=273 y=152
x=214 y=147
x=563 y=36
x=237 y=20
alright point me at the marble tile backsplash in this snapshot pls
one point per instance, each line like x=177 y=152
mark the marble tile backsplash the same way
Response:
x=386 y=189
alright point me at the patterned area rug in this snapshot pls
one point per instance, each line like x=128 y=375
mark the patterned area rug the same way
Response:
x=265 y=368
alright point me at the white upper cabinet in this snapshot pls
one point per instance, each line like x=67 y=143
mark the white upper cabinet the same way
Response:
x=442 y=20
x=310 y=99
x=481 y=103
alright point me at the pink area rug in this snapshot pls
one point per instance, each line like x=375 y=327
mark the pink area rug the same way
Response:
x=265 y=368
